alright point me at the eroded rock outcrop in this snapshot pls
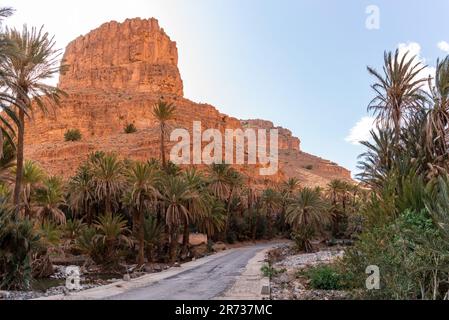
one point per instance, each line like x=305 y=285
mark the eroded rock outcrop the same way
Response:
x=115 y=76
x=135 y=56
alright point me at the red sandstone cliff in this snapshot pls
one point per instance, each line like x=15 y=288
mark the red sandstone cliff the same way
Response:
x=135 y=56
x=115 y=76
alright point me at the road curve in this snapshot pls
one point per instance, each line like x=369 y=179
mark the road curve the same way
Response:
x=205 y=282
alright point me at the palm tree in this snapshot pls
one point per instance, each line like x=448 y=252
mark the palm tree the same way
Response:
x=33 y=61
x=176 y=195
x=398 y=91
x=49 y=199
x=198 y=203
x=307 y=214
x=163 y=112
x=286 y=191
x=108 y=180
x=154 y=235
x=271 y=201
x=235 y=181
x=81 y=192
x=291 y=186
x=378 y=160
x=112 y=232
x=214 y=221
x=33 y=176
x=255 y=211
x=18 y=240
x=438 y=117
x=338 y=192
x=142 y=182
x=219 y=175
x=8 y=103
x=172 y=169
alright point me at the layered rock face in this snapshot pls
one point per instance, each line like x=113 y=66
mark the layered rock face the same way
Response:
x=135 y=56
x=311 y=170
x=115 y=76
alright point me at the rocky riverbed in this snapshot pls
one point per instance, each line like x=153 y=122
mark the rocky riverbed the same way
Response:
x=287 y=285
x=55 y=284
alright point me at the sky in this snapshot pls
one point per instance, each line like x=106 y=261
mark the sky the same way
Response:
x=299 y=63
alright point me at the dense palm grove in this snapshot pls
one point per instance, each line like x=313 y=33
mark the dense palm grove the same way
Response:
x=118 y=211
x=121 y=211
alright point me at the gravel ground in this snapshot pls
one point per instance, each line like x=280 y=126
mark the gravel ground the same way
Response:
x=287 y=286
x=308 y=260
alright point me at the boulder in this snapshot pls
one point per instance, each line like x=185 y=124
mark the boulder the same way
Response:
x=199 y=251
x=219 y=246
x=196 y=239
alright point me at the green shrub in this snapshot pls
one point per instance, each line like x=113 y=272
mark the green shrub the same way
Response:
x=270 y=272
x=112 y=237
x=154 y=236
x=325 y=278
x=87 y=244
x=50 y=234
x=72 y=135
x=130 y=128
x=17 y=242
x=73 y=228
x=308 y=167
x=409 y=251
x=303 y=237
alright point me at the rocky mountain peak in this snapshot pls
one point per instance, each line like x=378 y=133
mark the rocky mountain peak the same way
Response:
x=133 y=56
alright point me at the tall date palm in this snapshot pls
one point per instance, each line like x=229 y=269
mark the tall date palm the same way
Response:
x=398 y=91
x=163 y=112
x=306 y=214
x=32 y=61
x=108 y=179
x=8 y=104
x=142 y=181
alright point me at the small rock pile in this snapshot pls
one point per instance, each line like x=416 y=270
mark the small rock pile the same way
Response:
x=301 y=261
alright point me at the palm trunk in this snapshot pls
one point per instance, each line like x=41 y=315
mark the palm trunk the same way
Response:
x=88 y=213
x=164 y=161
x=228 y=212
x=150 y=253
x=185 y=237
x=108 y=205
x=19 y=170
x=335 y=219
x=141 y=256
x=173 y=246
x=256 y=222
x=110 y=246
x=282 y=218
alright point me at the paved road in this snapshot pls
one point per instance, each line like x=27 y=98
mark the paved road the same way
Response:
x=207 y=281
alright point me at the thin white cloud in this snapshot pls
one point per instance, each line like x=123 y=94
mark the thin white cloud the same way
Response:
x=414 y=49
x=361 y=130
x=443 y=46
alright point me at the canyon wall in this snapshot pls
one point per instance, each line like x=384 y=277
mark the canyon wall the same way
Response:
x=115 y=75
